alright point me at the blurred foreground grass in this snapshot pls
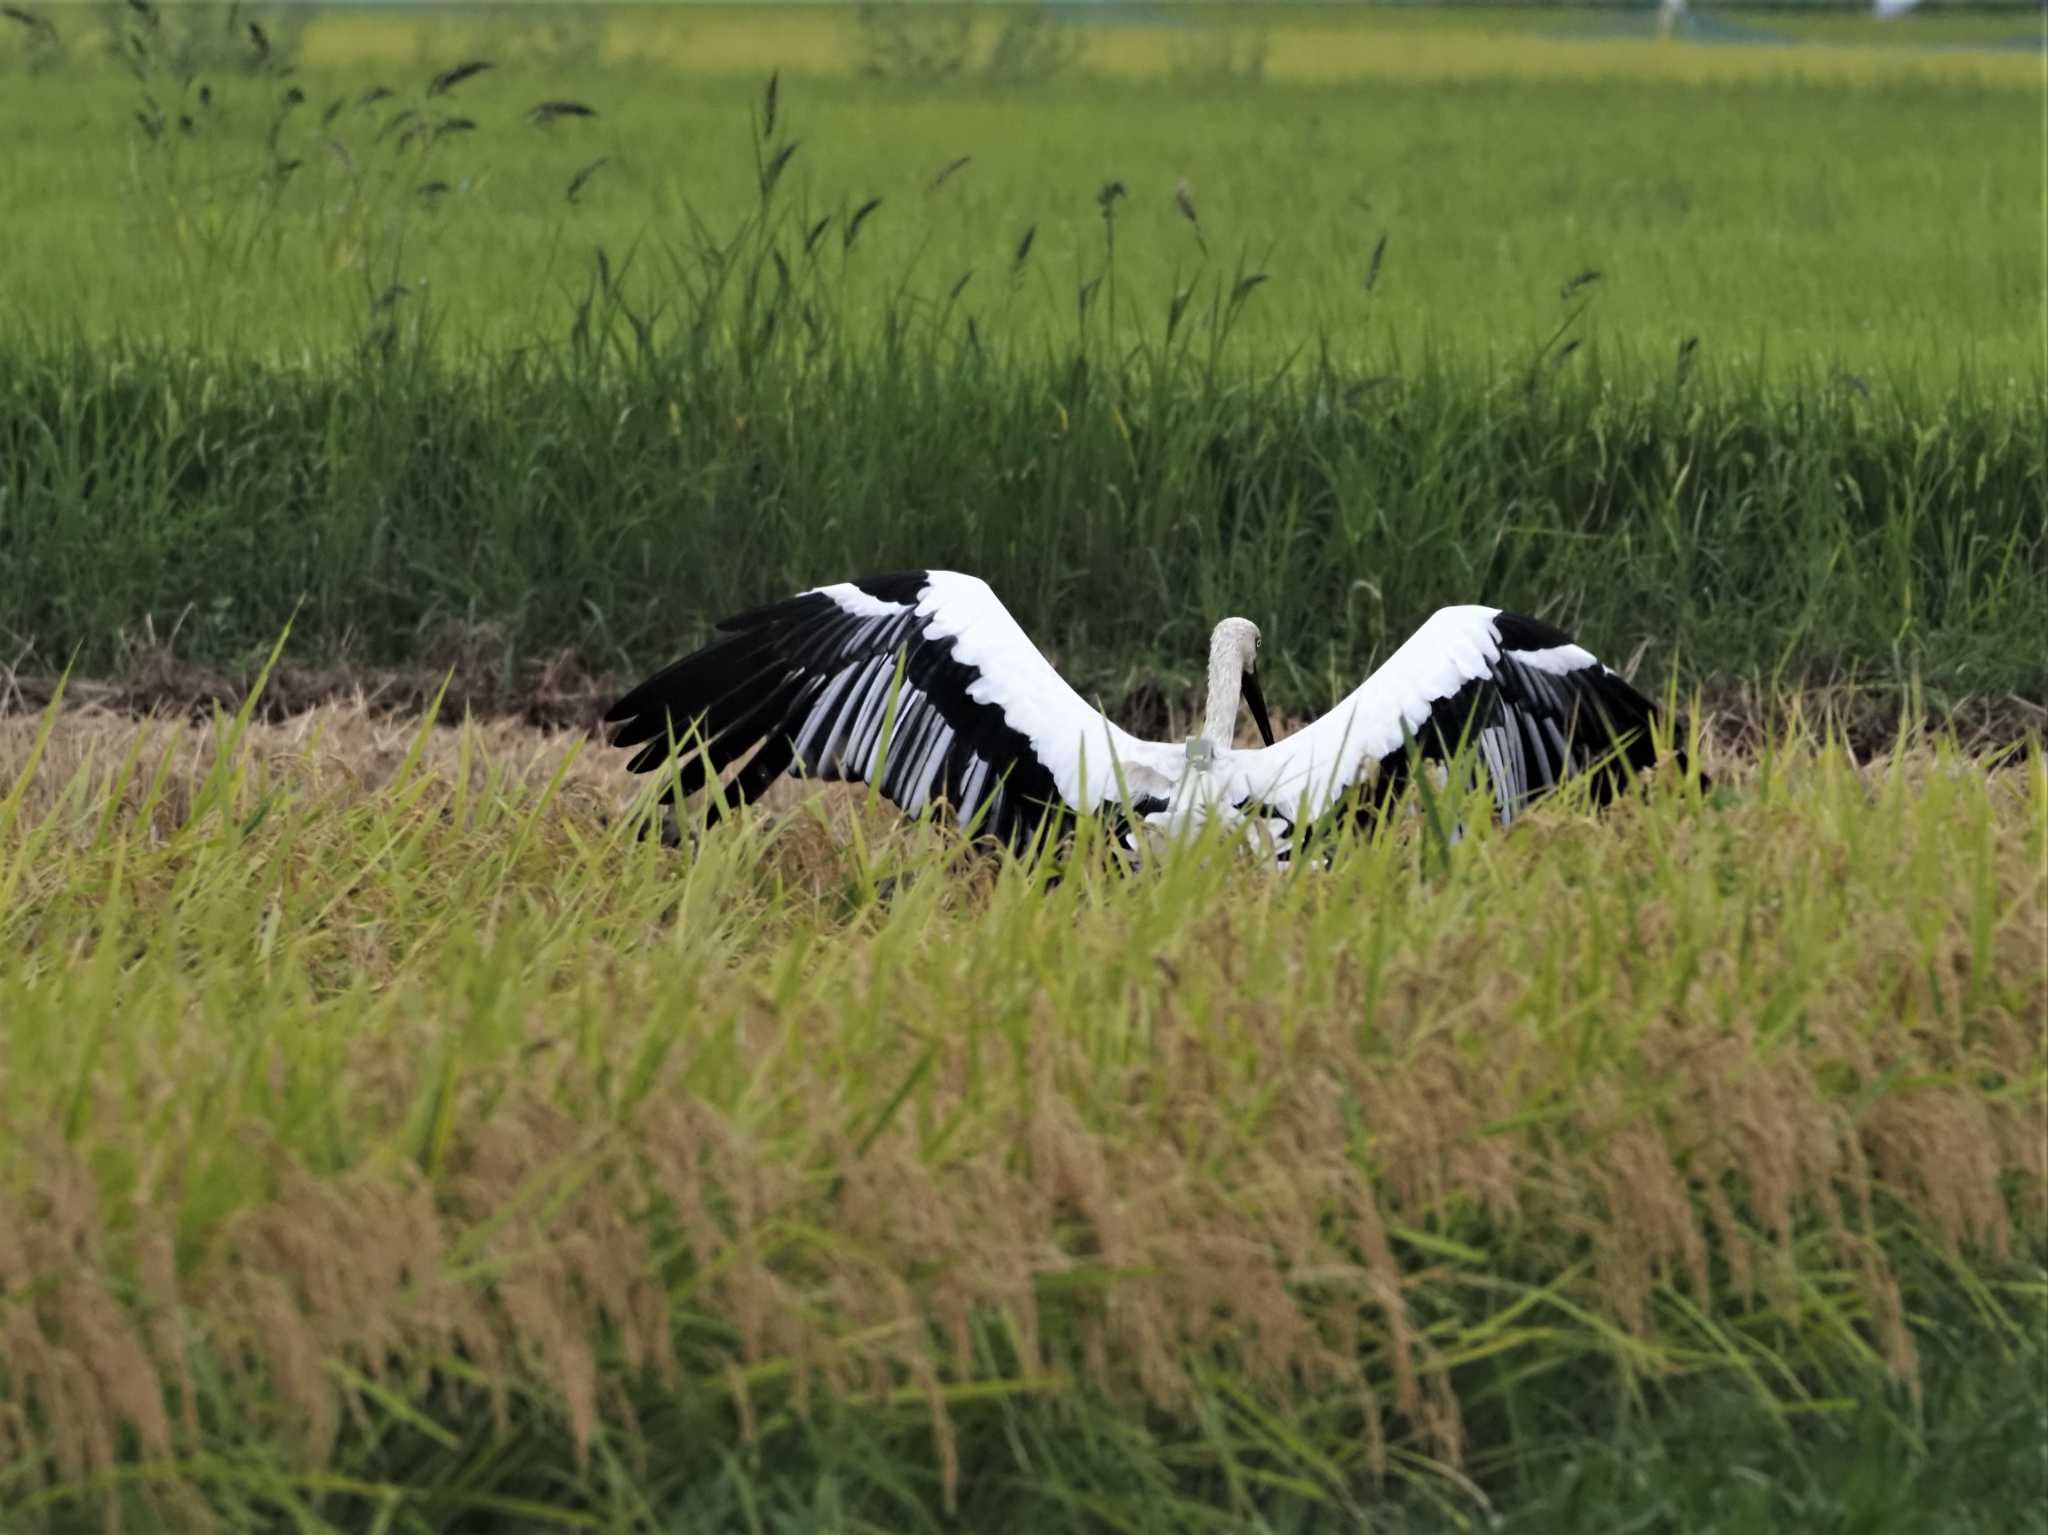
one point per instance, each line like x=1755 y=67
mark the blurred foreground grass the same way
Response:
x=391 y=1135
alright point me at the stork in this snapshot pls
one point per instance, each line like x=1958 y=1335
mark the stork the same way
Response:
x=982 y=722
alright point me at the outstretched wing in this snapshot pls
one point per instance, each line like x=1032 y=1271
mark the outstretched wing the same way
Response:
x=1531 y=703
x=982 y=721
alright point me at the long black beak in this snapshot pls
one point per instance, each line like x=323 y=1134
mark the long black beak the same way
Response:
x=1255 y=696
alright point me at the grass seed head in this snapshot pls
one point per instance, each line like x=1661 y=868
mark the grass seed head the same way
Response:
x=449 y=78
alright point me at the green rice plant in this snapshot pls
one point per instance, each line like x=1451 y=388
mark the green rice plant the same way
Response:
x=1496 y=187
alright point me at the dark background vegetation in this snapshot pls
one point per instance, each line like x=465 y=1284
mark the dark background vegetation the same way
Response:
x=599 y=508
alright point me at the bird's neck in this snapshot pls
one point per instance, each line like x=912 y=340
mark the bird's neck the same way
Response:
x=1226 y=680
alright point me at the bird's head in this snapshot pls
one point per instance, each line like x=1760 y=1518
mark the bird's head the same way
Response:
x=1237 y=640
x=1236 y=637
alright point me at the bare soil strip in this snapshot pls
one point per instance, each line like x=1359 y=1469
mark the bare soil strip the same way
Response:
x=562 y=696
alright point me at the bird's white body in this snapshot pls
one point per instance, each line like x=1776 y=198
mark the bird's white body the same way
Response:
x=984 y=722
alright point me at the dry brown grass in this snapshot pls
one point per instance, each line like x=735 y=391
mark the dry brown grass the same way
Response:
x=1242 y=1139
x=349 y=747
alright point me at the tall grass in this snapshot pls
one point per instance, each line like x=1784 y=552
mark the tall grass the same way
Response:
x=391 y=1136
x=607 y=502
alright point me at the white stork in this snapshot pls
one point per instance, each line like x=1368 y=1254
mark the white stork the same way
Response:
x=983 y=722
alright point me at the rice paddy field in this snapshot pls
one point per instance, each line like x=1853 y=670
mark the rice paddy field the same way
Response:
x=393 y=1139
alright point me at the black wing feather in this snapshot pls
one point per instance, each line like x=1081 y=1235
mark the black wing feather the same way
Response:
x=1531 y=727
x=801 y=683
x=1540 y=726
